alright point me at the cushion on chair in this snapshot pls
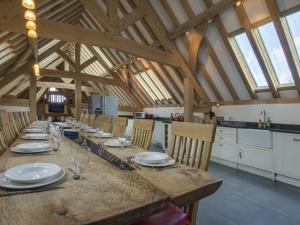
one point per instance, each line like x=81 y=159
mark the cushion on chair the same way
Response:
x=172 y=215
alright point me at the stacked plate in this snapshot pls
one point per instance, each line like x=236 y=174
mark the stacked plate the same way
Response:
x=105 y=135
x=153 y=159
x=35 y=136
x=91 y=130
x=35 y=130
x=31 y=148
x=39 y=124
x=31 y=175
x=116 y=143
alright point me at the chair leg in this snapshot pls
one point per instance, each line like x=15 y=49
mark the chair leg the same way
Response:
x=192 y=212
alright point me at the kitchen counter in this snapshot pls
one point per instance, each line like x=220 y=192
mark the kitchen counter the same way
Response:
x=276 y=127
x=162 y=119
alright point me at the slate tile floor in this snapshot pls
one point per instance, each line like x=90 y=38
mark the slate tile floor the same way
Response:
x=247 y=199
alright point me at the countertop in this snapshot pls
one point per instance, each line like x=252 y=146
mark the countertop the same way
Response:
x=276 y=127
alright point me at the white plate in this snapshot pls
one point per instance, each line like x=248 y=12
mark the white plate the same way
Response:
x=165 y=163
x=33 y=146
x=35 y=136
x=91 y=130
x=152 y=157
x=6 y=183
x=35 y=130
x=116 y=143
x=106 y=135
x=17 y=150
x=33 y=172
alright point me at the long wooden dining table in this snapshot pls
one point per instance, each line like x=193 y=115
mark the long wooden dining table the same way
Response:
x=107 y=195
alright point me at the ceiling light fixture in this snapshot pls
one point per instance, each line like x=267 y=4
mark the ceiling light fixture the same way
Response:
x=30 y=25
x=32 y=34
x=28 y=4
x=36 y=69
x=30 y=15
x=238 y=3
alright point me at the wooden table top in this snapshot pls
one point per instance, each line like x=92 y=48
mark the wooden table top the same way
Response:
x=107 y=195
x=183 y=185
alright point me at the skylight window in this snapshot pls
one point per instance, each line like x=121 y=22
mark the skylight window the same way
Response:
x=250 y=59
x=150 y=82
x=275 y=53
x=293 y=21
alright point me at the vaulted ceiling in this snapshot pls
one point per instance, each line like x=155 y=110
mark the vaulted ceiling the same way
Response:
x=142 y=50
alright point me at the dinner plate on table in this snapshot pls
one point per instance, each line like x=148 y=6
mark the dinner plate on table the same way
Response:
x=7 y=183
x=31 y=148
x=35 y=136
x=145 y=159
x=115 y=143
x=32 y=173
x=91 y=130
x=106 y=135
x=35 y=130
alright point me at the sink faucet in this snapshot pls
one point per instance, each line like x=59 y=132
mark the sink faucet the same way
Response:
x=263 y=112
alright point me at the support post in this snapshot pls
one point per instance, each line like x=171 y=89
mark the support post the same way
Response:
x=78 y=97
x=32 y=97
x=188 y=100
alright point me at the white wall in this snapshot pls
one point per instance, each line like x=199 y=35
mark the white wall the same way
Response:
x=279 y=113
x=164 y=112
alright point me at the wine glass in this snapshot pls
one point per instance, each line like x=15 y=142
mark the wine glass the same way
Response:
x=80 y=159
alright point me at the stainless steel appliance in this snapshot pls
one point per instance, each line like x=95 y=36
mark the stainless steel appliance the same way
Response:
x=139 y=115
x=106 y=105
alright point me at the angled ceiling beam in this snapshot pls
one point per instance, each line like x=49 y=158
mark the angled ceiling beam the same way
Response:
x=94 y=8
x=210 y=51
x=244 y=20
x=275 y=15
x=71 y=33
x=224 y=35
x=83 y=76
x=112 y=12
x=44 y=84
x=131 y=18
x=87 y=63
x=67 y=58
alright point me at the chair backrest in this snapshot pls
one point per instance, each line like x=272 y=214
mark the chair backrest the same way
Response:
x=18 y=121
x=82 y=116
x=2 y=142
x=22 y=118
x=105 y=123
x=8 y=133
x=120 y=125
x=91 y=121
x=73 y=112
x=191 y=143
x=14 y=126
x=26 y=118
x=142 y=133
x=86 y=119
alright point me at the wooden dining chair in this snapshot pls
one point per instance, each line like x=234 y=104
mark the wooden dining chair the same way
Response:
x=26 y=117
x=22 y=119
x=8 y=132
x=119 y=127
x=142 y=133
x=105 y=123
x=86 y=119
x=191 y=145
x=91 y=121
x=82 y=116
x=13 y=123
x=3 y=146
x=18 y=121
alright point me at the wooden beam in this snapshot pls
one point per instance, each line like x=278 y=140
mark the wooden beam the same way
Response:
x=275 y=15
x=112 y=12
x=130 y=18
x=260 y=101
x=40 y=93
x=130 y=109
x=58 y=85
x=220 y=69
x=224 y=35
x=14 y=102
x=87 y=63
x=244 y=20
x=188 y=100
x=32 y=97
x=66 y=57
x=78 y=88
x=71 y=33
x=83 y=76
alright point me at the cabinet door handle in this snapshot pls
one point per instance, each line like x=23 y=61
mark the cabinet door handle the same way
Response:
x=221 y=138
x=221 y=145
x=240 y=155
x=296 y=139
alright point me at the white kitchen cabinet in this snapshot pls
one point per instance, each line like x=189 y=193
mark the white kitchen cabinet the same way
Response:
x=224 y=151
x=259 y=158
x=225 y=135
x=287 y=154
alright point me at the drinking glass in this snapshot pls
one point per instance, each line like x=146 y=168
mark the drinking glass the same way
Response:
x=80 y=159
